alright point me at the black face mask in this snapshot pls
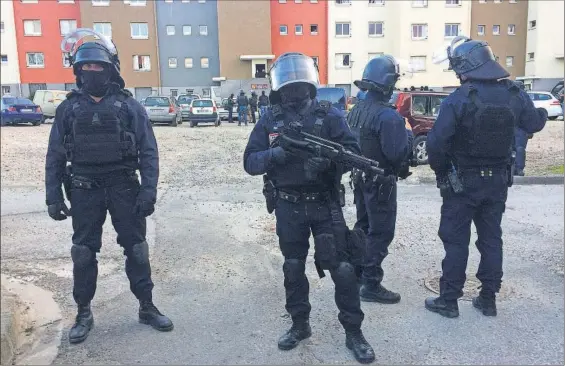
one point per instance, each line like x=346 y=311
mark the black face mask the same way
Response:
x=296 y=96
x=96 y=83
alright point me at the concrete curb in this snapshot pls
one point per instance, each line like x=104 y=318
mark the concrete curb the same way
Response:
x=9 y=328
x=518 y=181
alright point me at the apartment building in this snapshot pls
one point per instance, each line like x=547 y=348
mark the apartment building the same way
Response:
x=409 y=30
x=188 y=46
x=544 y=47
x=503 y=24
x=245 y=45
x=301 y=26
x=9 y=66
x=131 y=25
x=40 y=27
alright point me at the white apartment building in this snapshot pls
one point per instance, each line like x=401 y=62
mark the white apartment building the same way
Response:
x=409 y=30
x=9 y=67
x=544 y=45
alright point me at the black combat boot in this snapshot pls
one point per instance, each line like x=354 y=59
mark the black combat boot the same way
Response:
x=83 y=324
x=485 y=303
x=149 y=314
x=362 y=350
x=449 y=309
x=300 y=330
x=375 y=292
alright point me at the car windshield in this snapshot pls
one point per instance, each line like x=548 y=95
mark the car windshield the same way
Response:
x=332 y=95
x=19 y=101
x=202 y=103
x=157 y=102
x=24 y=101
x=9 y=101
x=183 y=99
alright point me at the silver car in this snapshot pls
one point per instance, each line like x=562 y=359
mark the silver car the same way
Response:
x=184 y=101
x=163 y=109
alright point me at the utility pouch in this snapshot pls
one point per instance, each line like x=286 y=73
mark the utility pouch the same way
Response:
x=454 y=181
x=325 y=251
x=511 y=169
x=270 y=193
x=341 y=195
x=82 y=183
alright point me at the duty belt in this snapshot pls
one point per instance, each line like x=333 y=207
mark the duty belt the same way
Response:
x=483 y=171
x=102 y=181
x=308 y=197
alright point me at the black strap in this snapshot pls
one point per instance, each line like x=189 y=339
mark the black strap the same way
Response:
x=321 y=112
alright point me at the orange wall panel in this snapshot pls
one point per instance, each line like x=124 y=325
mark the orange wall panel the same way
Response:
x=305 y=13
x=49 y=43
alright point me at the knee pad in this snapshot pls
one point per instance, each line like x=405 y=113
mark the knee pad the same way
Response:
x=139 y=253
x=82 y=256
x=344 y=274
x=294 y=269
x=325 y=250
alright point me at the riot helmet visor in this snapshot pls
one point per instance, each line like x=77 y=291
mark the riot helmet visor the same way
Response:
x=74 y=40
x=293 y=68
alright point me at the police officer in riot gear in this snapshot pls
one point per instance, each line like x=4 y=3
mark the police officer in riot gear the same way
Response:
x=305 y=197
x=383 y=137
x=242 y=105
x=470 y=149
x=263 y=103
x=105 y=135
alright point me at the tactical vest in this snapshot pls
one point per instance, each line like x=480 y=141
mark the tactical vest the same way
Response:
x=490 y=133
x=99 y=133
x=361 y=118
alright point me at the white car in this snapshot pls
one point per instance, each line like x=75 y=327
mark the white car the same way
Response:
x=547 y=101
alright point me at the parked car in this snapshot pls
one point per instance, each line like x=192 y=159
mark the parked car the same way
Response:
x=19 y=110
x=421 y=109
x=184 y=100
x=547 y=101
x=204 y=111
x=336 y=96
x=351 y=101
x=163 y=109
x=49 y=100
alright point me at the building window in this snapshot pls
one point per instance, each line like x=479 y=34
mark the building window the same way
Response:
x=496 y=29
x=343 y=29
x=316 y=60
x=201 y=1
x=203 y=30
x=419 y=3
x=298 y=1
x=66 y=59
x=29 y=1
x=139 y=30
x=5 y=89
x=35 y=59
x=67 y=26
x=372 y=55
x=314 y=1
x=141 y=63
x=136 y=2
x=376 y=29
x=172 y=62
x=452 y=2
x=314 y=29
x=174 y=93
x=188 y=63
x=497 y=1
x=532 y=24
x=282 y=1
x=283 y=30
x=2 y=27
x=419 y=31
x=513 y=1
x=204 y=62
x=343 y=2
x=377 y=2
x=169 y=1
x=342 y=60
x=32 y=27
x=418 y=63
x=100 y=2
x=512 y=29
x=451 y=30
x=531 y=56
x=481 y=29
x=298 y=29
x=509 y=61
x=482 y=1
x=170 y=30
x=104 y=29
x=187 y=30
x=4 y=59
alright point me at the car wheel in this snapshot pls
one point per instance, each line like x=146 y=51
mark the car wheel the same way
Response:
x=420 y=152
x=43 y=119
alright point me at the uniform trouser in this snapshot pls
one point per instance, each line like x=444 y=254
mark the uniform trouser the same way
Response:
x=521 y=139
x=295 y=221
x=89 y=208
x=242 y=110
x=230 y=115
x=376 y=213
x=482 y=202
x=253 y=110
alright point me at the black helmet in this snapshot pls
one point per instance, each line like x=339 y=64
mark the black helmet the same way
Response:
x=291 y=68
x=474 y=60
x=381 y=74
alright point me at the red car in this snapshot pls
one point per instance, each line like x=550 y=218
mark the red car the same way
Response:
x=420 y=108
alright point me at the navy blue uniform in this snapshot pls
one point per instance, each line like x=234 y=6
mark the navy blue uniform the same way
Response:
x=295 y=220
x=100 y=187
x=384 y=138
x=479 y=147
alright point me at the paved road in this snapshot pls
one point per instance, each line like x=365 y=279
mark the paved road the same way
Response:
x=218 y=275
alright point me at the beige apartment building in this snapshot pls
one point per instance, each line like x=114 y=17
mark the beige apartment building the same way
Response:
x=503 y=24
x=131 y=25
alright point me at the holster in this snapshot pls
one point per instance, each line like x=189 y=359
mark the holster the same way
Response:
x=341 y=195
x=511 y=169
x=67 y=181
x=270 y=193
x=455 y=181
x=325 y=256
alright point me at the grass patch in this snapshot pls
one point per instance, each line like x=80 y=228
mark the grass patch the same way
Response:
x=556 y=169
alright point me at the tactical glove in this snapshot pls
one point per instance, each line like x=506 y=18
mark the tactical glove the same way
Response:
x=143 y=208
x=58 y=211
